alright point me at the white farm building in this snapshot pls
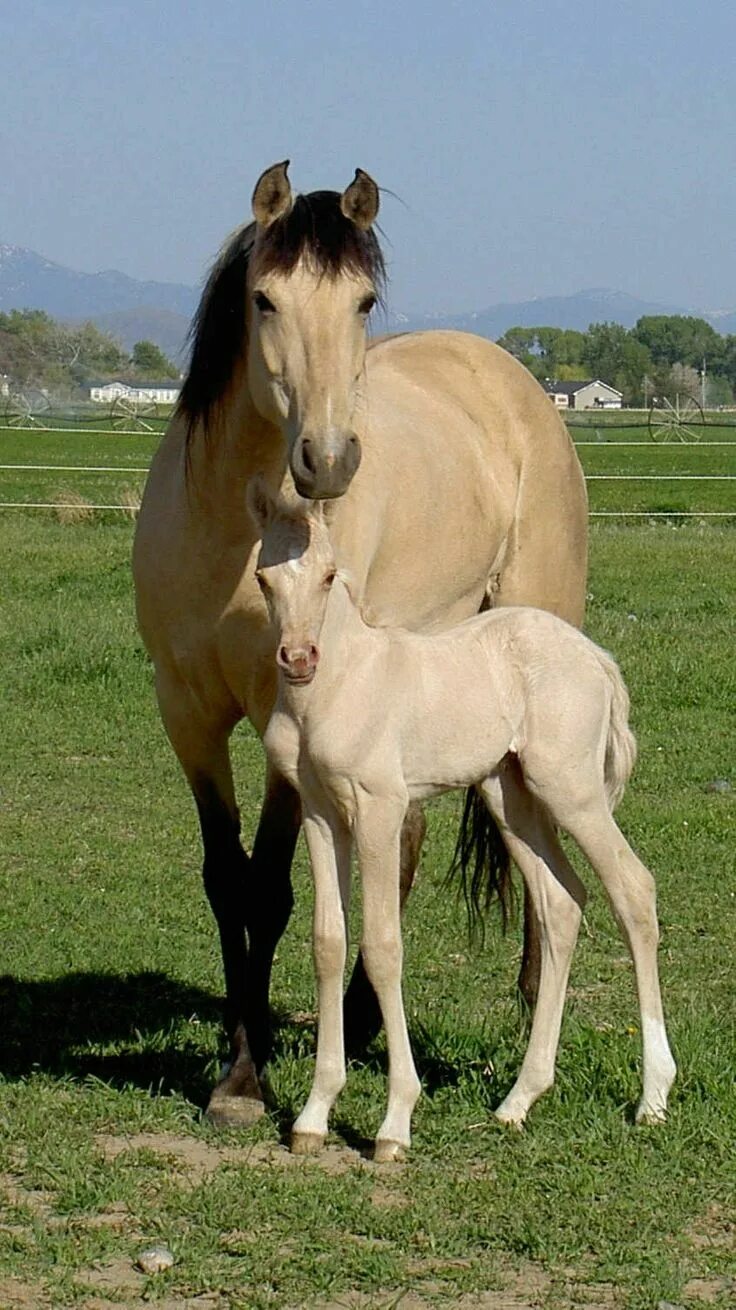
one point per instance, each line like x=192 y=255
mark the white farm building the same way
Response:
x=586 y=394
x=156 y=393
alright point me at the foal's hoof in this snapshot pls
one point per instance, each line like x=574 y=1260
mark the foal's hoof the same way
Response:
x=648 y=1116
x=510 y=1118
x=234 y=1111
x=306 y=1143
x=388 y=1152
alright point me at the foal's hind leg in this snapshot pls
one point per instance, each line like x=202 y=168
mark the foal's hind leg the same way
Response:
x=630 y=889
x=362 y=1011
x=557 y=896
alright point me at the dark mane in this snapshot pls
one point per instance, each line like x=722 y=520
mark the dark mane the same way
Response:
x=316 y=230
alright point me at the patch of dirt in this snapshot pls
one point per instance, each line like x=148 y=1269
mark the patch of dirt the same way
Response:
x=714 y=1228
x=384 y=1198
x=207 y=1301
x=526 y=1288
x=15 y=1295
x=39 y=1203
x=708 y=1289
x=116 y=1275
x=194 y=1159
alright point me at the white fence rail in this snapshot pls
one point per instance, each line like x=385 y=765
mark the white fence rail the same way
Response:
x=139 y=470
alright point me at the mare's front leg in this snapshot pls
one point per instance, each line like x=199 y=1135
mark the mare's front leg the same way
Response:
x=362 y=1011
x=202 y=749
x=328 y=841
x=378 y=841
x=269 y=902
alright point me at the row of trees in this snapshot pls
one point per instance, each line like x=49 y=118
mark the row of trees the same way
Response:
x=662 y=355
x=37 y=351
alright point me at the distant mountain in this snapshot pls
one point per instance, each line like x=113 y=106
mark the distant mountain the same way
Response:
x=28 y=281
x=161 y=311
x=575 y=311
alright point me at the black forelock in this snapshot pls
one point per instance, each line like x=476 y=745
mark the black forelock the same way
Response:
x=316 y=230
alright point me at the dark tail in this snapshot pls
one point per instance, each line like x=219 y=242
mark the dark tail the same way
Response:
x=482 y=860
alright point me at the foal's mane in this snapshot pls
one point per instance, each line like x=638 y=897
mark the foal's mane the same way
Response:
x=316 y=230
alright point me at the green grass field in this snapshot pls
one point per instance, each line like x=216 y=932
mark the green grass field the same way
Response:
x=110 y=986
x=650 y=478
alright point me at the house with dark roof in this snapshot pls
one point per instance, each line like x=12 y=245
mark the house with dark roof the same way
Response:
x=584 y=394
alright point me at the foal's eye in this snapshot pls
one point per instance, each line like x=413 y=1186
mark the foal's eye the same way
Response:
x=329 y=578
x=261 y=582
x=366 y=304
x=263 y=303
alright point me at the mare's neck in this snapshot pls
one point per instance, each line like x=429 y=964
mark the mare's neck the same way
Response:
x=238 y=444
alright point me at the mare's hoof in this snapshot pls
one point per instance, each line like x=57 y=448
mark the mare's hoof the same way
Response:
x=388 y=1152
x=234 y=1111
x=306 y=1143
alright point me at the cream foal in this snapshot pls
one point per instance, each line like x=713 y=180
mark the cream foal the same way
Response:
x=366 y=720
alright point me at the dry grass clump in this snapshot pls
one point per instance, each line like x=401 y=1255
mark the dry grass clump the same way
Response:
x=71 y=508
x=130 y=497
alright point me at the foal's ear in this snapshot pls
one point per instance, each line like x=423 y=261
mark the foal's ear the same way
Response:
x=272 y=195
x=260 y=502
x=360 y=201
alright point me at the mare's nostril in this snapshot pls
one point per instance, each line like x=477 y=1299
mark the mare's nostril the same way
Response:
x=307 y=460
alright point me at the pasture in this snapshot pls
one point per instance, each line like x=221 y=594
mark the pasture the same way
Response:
x=111 y=979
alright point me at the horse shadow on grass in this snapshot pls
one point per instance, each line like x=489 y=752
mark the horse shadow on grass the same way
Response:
x=140 y=1029
x=154 y=1032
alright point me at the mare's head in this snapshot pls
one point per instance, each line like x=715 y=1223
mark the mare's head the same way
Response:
x=289 y=298
x=295 y=571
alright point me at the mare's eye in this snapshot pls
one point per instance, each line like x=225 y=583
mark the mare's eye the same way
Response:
x=263 y=303
x=367 y=304
x=330 y=578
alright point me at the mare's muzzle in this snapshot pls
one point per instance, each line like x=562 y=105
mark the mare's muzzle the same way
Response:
x=323 y=467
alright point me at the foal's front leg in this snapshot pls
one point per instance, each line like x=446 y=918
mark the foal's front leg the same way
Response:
x=378 y=838
x=328 y=841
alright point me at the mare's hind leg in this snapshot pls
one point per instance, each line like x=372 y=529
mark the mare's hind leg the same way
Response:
x=362 y=1011
x=631 y=892
x=557 y=896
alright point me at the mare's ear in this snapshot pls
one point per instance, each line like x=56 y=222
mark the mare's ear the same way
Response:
x=272 y=195
x=360 y=201
x=260 y=502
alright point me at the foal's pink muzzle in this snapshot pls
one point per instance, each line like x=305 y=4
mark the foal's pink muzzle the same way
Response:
x=299 y=664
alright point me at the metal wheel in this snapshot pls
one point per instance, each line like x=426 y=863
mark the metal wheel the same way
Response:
x=683 y=421
x=23 y=409
x=129 y=413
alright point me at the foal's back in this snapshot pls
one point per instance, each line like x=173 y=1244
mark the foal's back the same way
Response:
x=455 y=703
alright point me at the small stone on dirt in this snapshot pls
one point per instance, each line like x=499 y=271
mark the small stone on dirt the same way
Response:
x=154 y=1259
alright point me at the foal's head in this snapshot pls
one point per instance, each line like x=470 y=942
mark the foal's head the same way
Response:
x=295 y=571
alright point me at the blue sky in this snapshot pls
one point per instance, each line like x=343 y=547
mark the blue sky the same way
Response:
x=537 y=148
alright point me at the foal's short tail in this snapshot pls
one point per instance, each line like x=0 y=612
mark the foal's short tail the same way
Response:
x=482 y=860
x=621 y=742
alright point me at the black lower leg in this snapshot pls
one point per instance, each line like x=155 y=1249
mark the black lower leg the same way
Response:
x=269 y=905
x=225 y=873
